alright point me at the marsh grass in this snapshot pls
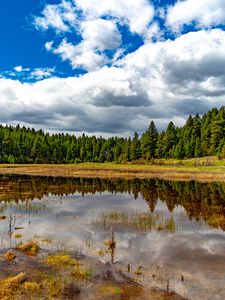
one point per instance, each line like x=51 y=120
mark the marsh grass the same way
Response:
x=18 y=236
x=32 y=208
x=30 y=248
x=18 y=287
x=10 y=255
x=47 y=240
x=139 y=221
x=60 y=259
x=82 y=273
x=64 y=260
x=202 y=169
x=110 y=290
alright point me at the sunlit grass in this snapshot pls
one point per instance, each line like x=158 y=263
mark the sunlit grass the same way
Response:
x=79 y=273
x=30 y=248
x=60 y=259
x=203 y=169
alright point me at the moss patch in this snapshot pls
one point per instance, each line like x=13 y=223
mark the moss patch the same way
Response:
x=60 y=260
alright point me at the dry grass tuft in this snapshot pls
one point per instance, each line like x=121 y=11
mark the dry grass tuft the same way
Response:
x=10 y=255
x=82 y=274
x=11 y=286
x=60 y=260
x=109 y=290
x=30 y=249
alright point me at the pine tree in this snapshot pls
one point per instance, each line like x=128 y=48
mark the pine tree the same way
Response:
x=169 y=140
x=135 y=149
x=218 y=130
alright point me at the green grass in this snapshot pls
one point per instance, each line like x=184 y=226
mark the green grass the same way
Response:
x=209 y=162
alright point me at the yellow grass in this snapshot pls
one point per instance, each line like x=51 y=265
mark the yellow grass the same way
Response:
x=201 y=169
x=30 y=248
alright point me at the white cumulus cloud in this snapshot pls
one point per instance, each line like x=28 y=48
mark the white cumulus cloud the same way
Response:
x=163 y=81
x=136 y=14
x=59 y=17
x=93 y=32
x=203 y=13
x=98 y=35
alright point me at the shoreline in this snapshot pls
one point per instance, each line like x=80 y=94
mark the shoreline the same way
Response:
x=104 y=170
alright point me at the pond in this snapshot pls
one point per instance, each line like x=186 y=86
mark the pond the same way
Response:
x=168 y=234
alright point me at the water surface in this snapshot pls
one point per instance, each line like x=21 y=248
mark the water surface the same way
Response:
x=168 y=232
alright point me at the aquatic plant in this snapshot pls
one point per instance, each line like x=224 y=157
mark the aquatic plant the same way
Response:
x=60 y=259
x=82 y=274
x=139 y=221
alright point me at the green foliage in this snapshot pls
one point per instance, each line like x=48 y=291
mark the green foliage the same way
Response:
x=198 y=137
x=149 y=142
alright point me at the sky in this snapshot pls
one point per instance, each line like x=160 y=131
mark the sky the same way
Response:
x=110 y=67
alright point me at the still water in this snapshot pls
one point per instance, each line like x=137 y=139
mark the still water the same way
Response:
x=171 y=232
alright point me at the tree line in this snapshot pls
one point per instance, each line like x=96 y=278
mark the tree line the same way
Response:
x=200 y=136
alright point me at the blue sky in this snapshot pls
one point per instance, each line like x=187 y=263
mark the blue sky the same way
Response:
x=73 y=65
x=23 y=45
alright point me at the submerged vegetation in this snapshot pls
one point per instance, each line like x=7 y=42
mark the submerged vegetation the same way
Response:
x=200 y=136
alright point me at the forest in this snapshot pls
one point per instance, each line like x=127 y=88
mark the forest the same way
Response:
x=200 y=136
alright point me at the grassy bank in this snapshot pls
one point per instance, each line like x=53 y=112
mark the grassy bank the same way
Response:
x=202 y=169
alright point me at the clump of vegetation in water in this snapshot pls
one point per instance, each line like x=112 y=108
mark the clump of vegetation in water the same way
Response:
x=47 y=240
x=138 y=271
x=140 y=221
x=103 y=252
x=10 y=255
x=19 y=287
x=18 y=236
x=109 y=290
x=10 y=286
x=60 y=259
x=79 y=273
x=65 y=260
x=30 y=248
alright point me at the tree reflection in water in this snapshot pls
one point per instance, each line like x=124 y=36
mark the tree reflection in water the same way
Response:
x=200 y=200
